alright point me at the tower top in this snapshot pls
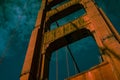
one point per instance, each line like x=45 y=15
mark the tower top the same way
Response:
x=93 y=23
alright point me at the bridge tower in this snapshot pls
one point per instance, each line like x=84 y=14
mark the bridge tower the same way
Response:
x=93 y=23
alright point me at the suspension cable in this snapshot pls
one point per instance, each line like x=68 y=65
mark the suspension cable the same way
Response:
x=56 y=65
x=74 y=62
x=67 y=62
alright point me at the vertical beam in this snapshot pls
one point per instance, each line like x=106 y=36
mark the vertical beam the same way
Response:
x=96 y=19
x=30 y=65
x=110 y=25
x=104 y=33
x=26 y=71
x=44 y=72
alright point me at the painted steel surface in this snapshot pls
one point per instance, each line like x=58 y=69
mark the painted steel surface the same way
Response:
x=94 y=23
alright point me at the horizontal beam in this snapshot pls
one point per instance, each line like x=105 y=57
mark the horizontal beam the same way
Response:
x=66 y=40
x=64 y=10
x=64 y=30
x=52 y=3
x=95 y=72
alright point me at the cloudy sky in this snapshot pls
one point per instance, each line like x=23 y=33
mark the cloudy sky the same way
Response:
x=17 y=19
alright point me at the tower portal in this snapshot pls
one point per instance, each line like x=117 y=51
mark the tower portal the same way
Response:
x=92 y=23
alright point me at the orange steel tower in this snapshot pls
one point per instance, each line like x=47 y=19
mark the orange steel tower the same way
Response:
x=93 y=23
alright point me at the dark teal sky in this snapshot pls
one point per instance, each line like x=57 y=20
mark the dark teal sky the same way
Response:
x=17 y=19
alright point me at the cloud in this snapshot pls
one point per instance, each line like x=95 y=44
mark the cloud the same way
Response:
x=16 y=23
